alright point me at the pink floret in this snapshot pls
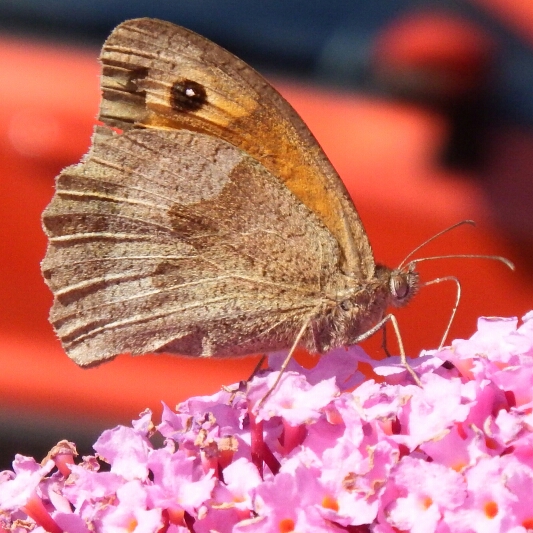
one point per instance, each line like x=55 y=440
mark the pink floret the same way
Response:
x=328 y=450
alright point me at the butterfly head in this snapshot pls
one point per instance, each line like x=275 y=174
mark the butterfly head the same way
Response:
x=402 y=283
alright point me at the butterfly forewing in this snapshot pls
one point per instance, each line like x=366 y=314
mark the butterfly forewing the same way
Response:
x=159 y=75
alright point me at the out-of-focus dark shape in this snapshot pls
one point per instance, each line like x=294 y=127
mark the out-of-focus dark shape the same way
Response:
x=508 y=184
x=458 y=68
x=444 y=62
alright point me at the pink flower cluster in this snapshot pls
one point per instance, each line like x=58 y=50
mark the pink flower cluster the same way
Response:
x=326 y=452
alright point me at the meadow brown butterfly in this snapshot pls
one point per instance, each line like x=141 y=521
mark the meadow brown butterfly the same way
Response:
x=205 y=220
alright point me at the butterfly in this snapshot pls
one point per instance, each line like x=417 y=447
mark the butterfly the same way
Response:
x=205 y=220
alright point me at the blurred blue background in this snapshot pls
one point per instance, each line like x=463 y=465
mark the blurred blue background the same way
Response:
x=324 y=41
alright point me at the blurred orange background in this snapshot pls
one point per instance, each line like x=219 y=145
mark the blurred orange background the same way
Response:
x=386 y=151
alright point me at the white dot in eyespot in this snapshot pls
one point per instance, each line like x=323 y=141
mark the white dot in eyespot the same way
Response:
x=190 y=92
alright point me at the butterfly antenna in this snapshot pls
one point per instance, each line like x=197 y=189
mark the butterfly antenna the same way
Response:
x=499 y=258
x=446 y=230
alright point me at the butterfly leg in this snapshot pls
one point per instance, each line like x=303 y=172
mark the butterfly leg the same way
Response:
x=243 y=383
x=380 y=325
x=287 y=359
x=384 y=340
x=257 y=368
x=456 y=305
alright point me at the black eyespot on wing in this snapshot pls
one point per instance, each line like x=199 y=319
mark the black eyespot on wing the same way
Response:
x=188 y=95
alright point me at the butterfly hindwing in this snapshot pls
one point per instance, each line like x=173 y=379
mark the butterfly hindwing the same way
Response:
x=179 y=242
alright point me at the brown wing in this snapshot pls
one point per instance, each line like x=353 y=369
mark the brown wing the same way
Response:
x=179 y=242
x=159 y=75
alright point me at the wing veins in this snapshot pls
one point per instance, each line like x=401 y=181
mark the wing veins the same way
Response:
x=145 y=317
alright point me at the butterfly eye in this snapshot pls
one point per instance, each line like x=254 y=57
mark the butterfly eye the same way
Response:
x=399 y=286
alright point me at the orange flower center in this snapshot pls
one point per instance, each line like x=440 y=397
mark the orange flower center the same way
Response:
x=527 y=523
x=286 y=525
x=330 y=503
x=491 y=509
x=427 y=502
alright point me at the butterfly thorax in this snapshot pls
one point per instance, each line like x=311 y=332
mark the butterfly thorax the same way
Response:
x=356 y=306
